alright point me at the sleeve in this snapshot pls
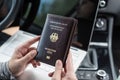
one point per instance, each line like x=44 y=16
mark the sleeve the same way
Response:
x=5 y=73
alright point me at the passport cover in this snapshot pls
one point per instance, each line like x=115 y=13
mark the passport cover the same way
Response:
x=56 y=39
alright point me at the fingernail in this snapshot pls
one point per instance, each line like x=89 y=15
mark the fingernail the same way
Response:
x=33 y=53
x=35 y=66
x=38 y=64
x=58 y=63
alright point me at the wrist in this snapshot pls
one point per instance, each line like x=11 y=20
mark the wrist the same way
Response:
x=9 y=68
x=5 y=72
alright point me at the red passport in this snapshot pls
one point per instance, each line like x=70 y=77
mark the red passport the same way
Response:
x=55 y=39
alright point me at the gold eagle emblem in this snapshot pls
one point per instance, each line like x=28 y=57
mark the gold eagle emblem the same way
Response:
x=54 y=37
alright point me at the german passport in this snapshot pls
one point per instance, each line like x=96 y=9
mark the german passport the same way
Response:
x=55 y=39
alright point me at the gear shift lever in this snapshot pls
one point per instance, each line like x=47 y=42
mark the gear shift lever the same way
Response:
x=90 y=62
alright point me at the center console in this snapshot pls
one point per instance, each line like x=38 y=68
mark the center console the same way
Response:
x=99 y=64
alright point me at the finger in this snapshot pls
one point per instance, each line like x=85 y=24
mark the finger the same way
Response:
x=58 y=70
x=23 y=48
x=30 y=42
x=28 y=50
x=51 y=74
x=28 y=57
x=69 y=64
x=31 y=48
x=38 y=63
x=35 y=63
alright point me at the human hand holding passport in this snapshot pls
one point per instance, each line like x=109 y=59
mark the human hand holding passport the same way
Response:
x=56 y=39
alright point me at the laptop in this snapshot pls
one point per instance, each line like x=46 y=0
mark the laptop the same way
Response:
x=78 y=50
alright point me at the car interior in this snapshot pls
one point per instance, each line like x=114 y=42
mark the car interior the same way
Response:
x=103 y=59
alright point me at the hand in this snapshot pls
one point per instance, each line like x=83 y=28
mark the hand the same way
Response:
x=67 y=73
x=22 y=56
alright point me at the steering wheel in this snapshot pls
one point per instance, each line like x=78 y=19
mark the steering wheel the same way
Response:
x=8 y=12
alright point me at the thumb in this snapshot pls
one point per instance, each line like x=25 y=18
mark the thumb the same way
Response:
x=29 y=56
x=58 y=70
